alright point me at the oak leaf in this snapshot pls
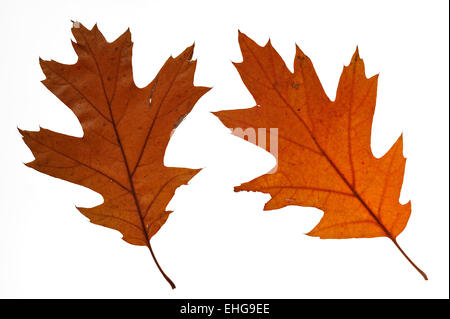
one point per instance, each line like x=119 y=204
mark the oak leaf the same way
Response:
x=324 y=157
x=126 y=130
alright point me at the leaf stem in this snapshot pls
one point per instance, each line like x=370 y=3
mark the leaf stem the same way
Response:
x=159 y=267
x=424 y=275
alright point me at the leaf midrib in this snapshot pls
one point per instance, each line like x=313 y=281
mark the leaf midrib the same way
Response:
x=130 y=174
x=108 y=102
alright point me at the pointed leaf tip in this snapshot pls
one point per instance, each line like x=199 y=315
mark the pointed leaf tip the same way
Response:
x=188 y=52
x=299 y=53
x=243 y=37
x=76 y=25
x=356 y=56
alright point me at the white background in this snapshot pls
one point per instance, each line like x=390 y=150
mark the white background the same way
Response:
x=219 y=243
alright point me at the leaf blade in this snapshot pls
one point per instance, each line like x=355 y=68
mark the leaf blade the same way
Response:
x=126 y=131
x=324 y=157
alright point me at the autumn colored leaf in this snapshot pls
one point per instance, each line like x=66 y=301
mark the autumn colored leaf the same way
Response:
x=126 y=131
x=324 y=157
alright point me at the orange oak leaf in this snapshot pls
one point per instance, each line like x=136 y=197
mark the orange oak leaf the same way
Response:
x=324 y=157
x=126 y=131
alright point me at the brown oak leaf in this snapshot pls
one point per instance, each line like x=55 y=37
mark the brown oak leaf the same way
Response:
x=126 y=131
x=324 y=158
